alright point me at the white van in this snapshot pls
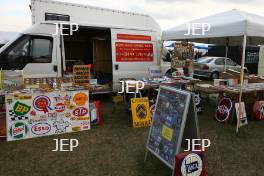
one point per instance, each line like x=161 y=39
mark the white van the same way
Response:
x=118 y=44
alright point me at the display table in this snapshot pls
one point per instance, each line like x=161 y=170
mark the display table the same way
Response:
x=251 y=93
x=151 y=85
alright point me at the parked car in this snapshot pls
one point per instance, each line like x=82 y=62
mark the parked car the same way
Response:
x=211 y=67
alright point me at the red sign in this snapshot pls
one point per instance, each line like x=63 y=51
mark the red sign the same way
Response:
x=258 y=110
x=60 y=107
x=134 y=52
x=223 y=110
x=81 y=111
x=190 y=163
x=133 y=37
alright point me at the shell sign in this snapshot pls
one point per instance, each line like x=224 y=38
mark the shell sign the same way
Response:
x=43 y=114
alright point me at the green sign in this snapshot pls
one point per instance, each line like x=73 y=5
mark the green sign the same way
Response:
x=21 y=109
x=18 y=130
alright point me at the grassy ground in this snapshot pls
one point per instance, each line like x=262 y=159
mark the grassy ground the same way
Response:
x=116 y=149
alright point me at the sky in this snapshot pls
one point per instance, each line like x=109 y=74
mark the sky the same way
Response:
x=15 y=15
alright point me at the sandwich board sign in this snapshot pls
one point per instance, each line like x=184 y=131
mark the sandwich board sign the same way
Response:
x=174 y=120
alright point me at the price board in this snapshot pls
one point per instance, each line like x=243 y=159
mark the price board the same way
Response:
x=173 y=121
x=81 y=74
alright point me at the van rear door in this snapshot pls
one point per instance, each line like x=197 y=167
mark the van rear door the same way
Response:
x=133 y=52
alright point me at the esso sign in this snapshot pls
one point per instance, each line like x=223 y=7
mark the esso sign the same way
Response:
x=41 y=128
x=81 y=111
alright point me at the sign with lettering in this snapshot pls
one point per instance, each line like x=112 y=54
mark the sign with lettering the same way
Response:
x=134 y=52
x=190 y=163
x=45 y=114
x=140 y=112
x=174 y=120
x=81 y=74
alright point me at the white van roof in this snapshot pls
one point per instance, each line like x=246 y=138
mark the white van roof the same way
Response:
x=85 y=15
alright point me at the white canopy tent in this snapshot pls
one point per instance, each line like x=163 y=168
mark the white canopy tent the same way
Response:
x=233 y=27
x=227 y=26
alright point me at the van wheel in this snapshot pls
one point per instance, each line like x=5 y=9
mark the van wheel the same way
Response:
x=215 y=75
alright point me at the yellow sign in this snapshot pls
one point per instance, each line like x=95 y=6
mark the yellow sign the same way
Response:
x=140 y=112
x=167 y=132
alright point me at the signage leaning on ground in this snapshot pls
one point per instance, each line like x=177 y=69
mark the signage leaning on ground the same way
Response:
x=174 y=120
x=140 y=112
x=44 y=114
x=190 y=163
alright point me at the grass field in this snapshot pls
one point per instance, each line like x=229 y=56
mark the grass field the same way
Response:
x=116 y=149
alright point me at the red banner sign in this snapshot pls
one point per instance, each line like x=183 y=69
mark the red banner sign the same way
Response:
x=134 y=52
x=133 y=37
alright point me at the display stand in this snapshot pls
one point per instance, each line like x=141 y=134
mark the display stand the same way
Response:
x=81 y=74
x=174 y=120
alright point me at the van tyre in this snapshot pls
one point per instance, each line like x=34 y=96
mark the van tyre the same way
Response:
x=215 y=75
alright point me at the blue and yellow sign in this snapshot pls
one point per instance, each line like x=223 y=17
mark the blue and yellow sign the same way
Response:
x=140 y=112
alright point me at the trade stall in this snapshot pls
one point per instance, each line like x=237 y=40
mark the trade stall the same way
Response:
x=47 y=106
x=231 y=28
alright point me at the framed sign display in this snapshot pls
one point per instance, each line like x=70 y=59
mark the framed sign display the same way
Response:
x=173 y=121
x=81 y=74
x=42 y=114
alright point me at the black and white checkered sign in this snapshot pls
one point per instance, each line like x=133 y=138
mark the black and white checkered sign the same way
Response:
x=15 y=117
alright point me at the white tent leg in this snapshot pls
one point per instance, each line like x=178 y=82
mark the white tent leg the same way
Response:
x=226 y=54
x=241 y=80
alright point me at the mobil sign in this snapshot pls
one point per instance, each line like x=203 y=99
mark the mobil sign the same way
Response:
x=60 y=107
x=80 y=111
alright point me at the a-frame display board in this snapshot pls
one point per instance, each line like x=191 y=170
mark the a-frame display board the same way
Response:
x=174 y=120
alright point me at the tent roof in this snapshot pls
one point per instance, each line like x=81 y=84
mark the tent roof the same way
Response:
x=228 y=24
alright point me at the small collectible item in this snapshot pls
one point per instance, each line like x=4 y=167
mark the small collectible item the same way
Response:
x=243 y=116
x=224 y=109
x=95 y=113
x=198 y=102
x=190 y=164
x=258 y=110
x=182 y=57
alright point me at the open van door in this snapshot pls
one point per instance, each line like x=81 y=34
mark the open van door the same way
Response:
x=133 y=52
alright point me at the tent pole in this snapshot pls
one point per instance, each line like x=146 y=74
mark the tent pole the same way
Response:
x=241 y=80
x=226 y=54
x=161 y=53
